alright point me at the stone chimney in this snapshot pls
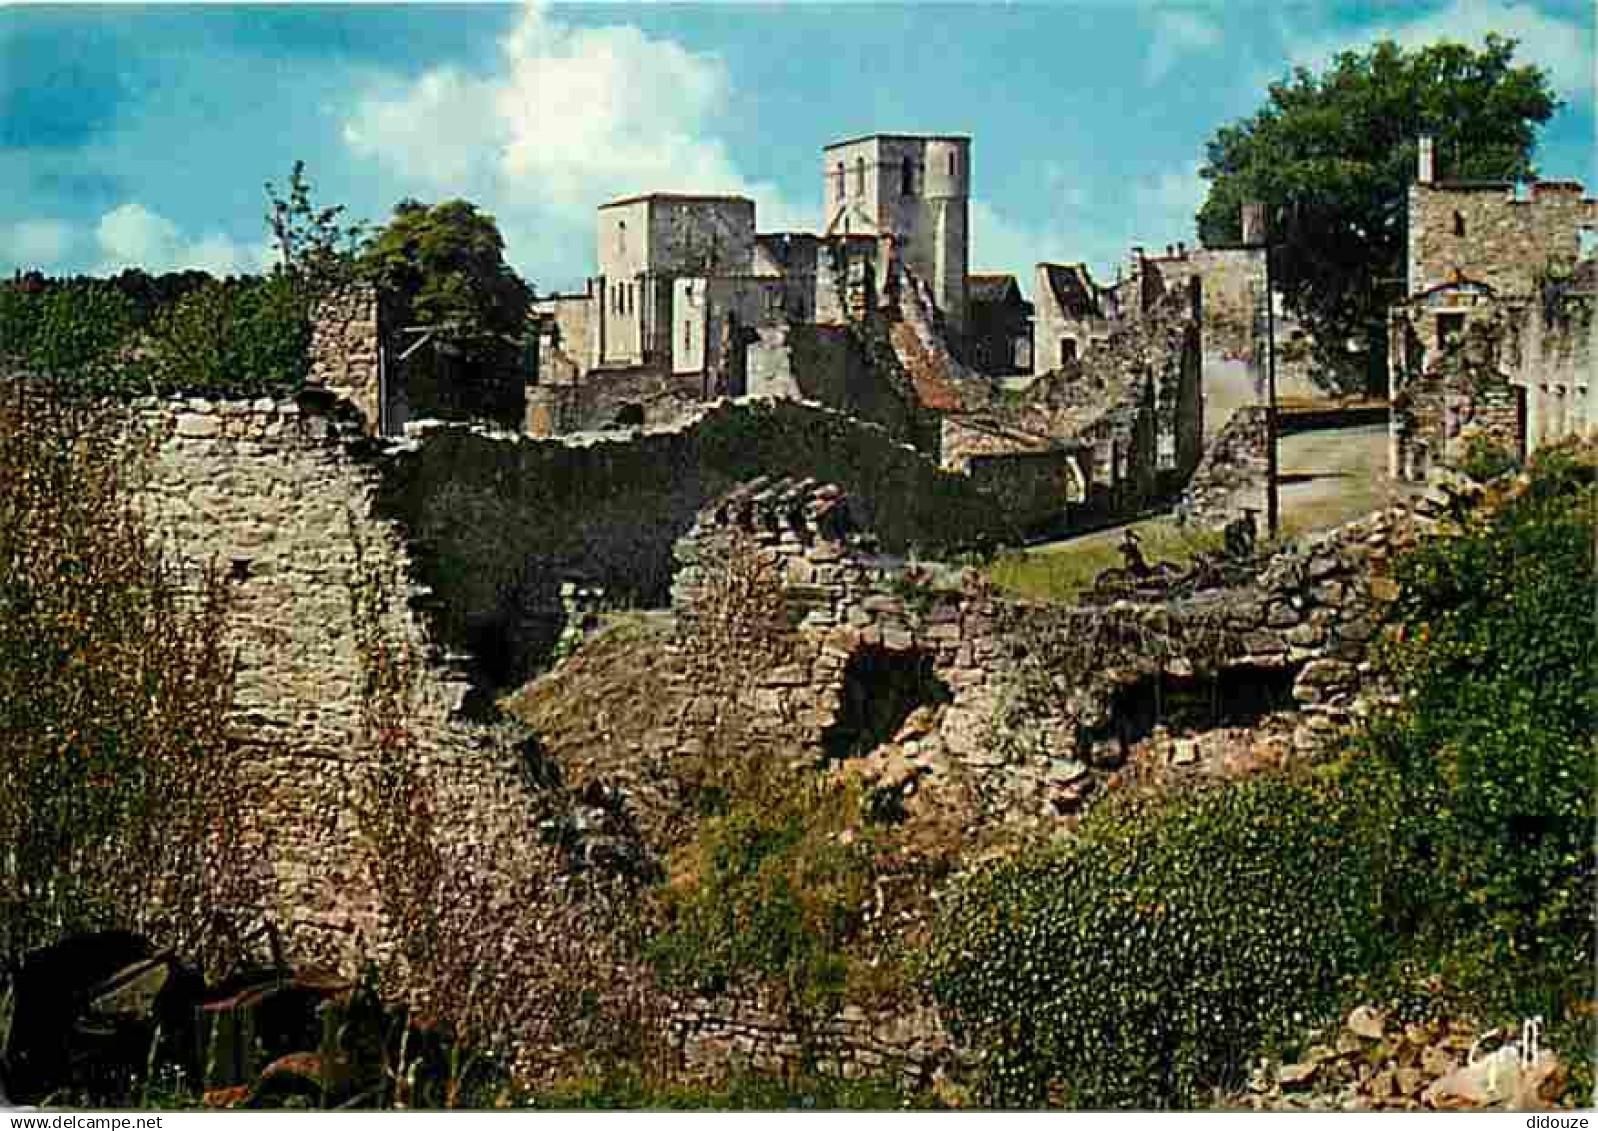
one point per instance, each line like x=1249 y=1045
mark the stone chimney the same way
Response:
x=1253 y=223
x=1427 y=172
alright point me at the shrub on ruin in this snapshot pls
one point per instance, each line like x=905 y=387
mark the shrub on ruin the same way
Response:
x=1496 y=659
x=76 y=336
x=487 y=938
x=120 y=789
x=1485 y=460
x=1142 y=964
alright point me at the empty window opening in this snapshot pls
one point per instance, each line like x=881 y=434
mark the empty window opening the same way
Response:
x=1459 y=224
x=954 y=165
x=880 y=690
x=860 y=176
x=1067 y=350
x=1449 y=325
x=837 y=174
x=907 y=177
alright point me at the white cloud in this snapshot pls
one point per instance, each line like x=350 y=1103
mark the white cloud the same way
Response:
x=130 y=235
x=1177 y=33
x=570 y=118
x=1563 y=46
x=31 y=244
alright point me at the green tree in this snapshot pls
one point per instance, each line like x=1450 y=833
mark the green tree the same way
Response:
x=1332 y=155
x=445 y=267
x=315 y=247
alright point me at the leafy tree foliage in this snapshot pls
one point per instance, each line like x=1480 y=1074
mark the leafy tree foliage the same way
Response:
x=1331 y=156
x=72 y=335
x=445 y=264
x=443 y=267
x=315 y=248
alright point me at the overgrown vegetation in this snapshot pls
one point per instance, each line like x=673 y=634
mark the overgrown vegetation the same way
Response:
x=771 y=891
x=1494 y=748
x=120 y=790
x=628 y=1091
x=1143 y=964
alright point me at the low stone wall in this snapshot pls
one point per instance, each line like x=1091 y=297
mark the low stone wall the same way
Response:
x=715 y=1034
x=1007 y=711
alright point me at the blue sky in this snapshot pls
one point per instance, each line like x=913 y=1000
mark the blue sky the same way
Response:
x=134 y=134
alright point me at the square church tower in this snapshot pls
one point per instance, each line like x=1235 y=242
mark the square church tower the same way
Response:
x=917 y=189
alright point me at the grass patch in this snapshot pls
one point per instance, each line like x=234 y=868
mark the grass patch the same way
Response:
x=1062 y=572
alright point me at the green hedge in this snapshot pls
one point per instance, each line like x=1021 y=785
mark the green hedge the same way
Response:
x=1142 y=964
x=229 y=338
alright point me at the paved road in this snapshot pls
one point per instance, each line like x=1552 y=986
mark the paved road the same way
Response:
x=1332 y=476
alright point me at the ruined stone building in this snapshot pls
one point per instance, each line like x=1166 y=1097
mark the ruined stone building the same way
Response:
x=1492 y=347
x=915 y=190
x=1075 y=313
x=879 y=316
x=999 y=338
x=691 y=302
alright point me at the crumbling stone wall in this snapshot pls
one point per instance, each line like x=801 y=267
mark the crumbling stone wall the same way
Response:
x=1552 y=359
x=505 y=519
x=1233 y=281
x=1038 y=706
x=1233 y=474
x=1136 y=400
x=275 y=495
x=346 y=352
x=829 y=365
x=713 y=1033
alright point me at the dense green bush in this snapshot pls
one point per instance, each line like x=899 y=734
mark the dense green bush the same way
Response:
x=1498 y=662
x=1485 y=460
x=233 y=338
x=1142 y=964
x=236 y=338
x=120 y=789
x=76 y=334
